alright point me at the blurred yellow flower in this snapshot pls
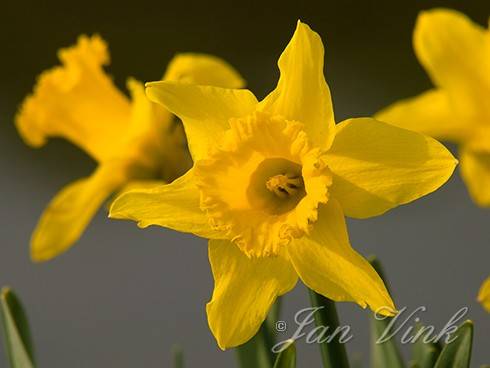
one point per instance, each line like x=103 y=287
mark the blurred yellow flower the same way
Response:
x=484 y=294
x=455 y=52
x=133 y=140
x=271 y=182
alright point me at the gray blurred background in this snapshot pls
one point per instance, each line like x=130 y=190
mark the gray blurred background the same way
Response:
x=122 y=296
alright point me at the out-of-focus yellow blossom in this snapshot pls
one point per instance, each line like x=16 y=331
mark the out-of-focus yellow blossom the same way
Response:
x=271 y=182
x=134 y=141
x=455 y=52
x=484 y=294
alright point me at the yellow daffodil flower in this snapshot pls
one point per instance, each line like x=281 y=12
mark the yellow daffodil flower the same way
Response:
x=133 y=140
x=455 y=52
x=271 y=182
x=484 y=295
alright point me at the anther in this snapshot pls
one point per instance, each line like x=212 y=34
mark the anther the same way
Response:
x=284 y=185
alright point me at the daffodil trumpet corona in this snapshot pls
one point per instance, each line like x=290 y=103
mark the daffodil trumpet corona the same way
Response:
x=271 y=182
x=134 y=141
x=455 y=52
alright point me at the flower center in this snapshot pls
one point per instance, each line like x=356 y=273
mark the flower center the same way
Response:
x=276 y=186
x=263 y=184
x=285 y=185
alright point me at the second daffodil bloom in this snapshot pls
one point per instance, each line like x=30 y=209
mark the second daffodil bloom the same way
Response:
x=455 y=52
x=484 y=295
x=134 y=140
x=271 y=182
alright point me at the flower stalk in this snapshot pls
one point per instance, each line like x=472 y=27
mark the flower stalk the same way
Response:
x=333 y=352
x=257 y=352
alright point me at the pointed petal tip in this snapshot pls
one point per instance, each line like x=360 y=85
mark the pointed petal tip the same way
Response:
x=301 y=24
x=39 y=256
x=112 y=211
x=41 y=251
x=115 y=212
x=150 y=88
x=218 y=338
x=303 y=27
x=153 y=84
x=221 y=346
x=386 y=310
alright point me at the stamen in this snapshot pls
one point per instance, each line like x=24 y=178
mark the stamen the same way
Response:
x=284 y=185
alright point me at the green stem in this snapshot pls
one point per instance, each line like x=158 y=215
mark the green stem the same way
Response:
x=333 y=352
x=257 y=352
x=177 y=357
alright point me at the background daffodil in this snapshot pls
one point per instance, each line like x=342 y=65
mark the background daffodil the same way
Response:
x=455 y=52
x=271 y=182
x=484 y=294
x=133 y=140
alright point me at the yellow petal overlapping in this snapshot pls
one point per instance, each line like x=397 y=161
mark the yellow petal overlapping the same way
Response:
x=175 y=205
x=326 y=263
x=274 y=177
x=202 y=69
x=430 y=113
x=206 y=119
x=377 y=167
x=133 y=140
x=302 y=94
x=455 y=52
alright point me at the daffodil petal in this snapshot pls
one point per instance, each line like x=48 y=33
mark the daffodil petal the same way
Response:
x=326 y=263
x=430 y=113
x=204 y=70
x=77 y=101
x=484 y=295
x=175 y=206
x=204 y=110
x=456 y=54
x=141 y=185
x=475 y=170
x=302 y=93
x=155 y=137
x=377 y=166
x=71 y=210
x=245 y=289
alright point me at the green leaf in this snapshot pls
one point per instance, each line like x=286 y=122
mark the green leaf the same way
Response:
x=333 y=352
x=385 y=354
x=425 y=354
x=257 y=352
x=177 y=357
x=18 y=343
x=287 y=357
x=457 y=354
